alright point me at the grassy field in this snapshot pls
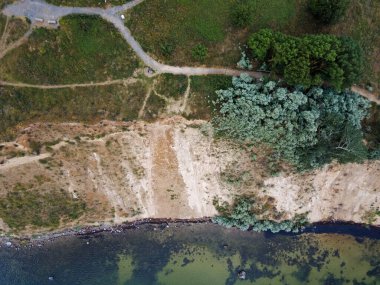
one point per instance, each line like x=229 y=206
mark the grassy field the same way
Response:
x=362 y=22
x=203 y=94
x=84 y=49
x=20 y=106
x=179 y=25
x=16 y=28
x=5 y=2
x=3 y=19
x=87 y=3
x=171 y=86
x=170 y=29
x=30 y=205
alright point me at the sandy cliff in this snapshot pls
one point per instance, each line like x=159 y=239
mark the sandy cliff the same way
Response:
x=175 y=168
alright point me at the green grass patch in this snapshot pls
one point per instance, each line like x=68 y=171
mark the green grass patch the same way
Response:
x=20 y=106
x=3 y=20
x=3 y=3
x=203 y=94
x=154 y=106
x=171 y=86
x=83 y=49
x=362 y=22
x=17 y=27
x=23 y=206
x=87 y=3
x=170 y=29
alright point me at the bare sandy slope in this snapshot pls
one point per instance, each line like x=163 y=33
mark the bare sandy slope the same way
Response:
x=175 y=168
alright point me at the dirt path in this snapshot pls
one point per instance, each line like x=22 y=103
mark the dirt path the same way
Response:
x=18 y=161
x=370 y=96
x=142 y=110
x=5 y=49
x=60 y=86
x=4 y=35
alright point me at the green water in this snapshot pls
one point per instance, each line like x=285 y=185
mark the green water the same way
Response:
x=196 y=255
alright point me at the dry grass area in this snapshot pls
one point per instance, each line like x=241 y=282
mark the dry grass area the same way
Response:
x=174 y=168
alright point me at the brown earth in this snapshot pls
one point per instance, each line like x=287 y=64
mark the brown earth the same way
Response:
x=174 y=168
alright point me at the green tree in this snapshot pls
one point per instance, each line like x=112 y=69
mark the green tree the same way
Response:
x=350 y=58
x=328 y=11
x=308 y=129
x=261 y=43
x=309 y=60
x=199 y=52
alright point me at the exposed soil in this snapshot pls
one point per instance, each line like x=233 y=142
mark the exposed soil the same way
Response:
x=174 y=168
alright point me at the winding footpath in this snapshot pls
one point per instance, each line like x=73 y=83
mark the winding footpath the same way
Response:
x=39 y=9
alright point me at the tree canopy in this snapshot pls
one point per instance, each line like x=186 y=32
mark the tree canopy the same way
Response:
x=307 y=129
x=309 y=60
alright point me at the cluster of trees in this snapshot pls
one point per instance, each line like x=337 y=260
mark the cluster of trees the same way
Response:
x=309 y=60
x=306 y=128
x=328 y=11
x=242 y=216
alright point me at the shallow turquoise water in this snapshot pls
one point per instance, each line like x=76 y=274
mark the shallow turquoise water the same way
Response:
x=196 y=254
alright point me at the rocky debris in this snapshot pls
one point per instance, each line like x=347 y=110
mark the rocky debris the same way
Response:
x=242 y=275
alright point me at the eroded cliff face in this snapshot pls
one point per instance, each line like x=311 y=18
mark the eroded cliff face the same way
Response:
x=174 y=168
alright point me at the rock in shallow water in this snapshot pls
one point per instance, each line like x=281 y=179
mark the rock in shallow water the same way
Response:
x=242 y=275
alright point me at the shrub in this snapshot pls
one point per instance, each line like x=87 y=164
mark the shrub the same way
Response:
x=242 y=215
x=242 y=13
x=308 y=129
x=199 y=52
x=244 y=62
x=328 y=11
x=167 y=48
x=22 y=207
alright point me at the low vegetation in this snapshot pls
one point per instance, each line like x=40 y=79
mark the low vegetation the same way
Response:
x=19 y=106
x=3 y=3
x=84 y=49
x=327 y=11
x=88 y=3
x=171 y=86
x=16 y=28
x=307 y=128
x=246 y=214
x=202 y=95
x=23 y=207
x=180 y=28
x=372 y=132
x=309 y=60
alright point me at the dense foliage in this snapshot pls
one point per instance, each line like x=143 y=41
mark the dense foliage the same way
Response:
x=309 y=60
x=328 y=11
x=372 y=132
x=243 y=216
x=308 y=129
